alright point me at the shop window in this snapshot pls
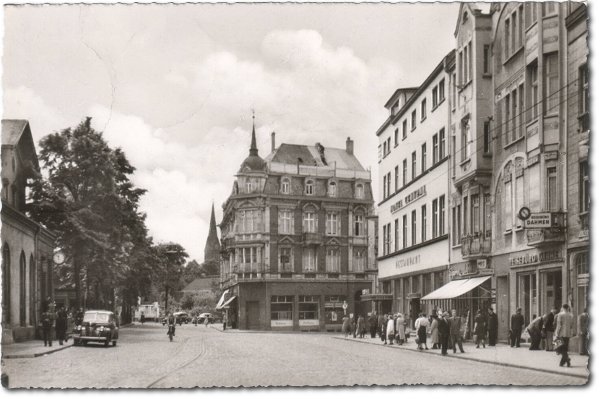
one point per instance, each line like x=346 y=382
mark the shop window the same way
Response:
x=332 y=260
x=334 y=309
x=527 y=295
x=583 y=281
x=285 y=259
x=308 y=306
x=282 y=309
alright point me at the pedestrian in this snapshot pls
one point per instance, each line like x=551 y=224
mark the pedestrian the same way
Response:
x=444 y=332
x=535 y=332
x=564 y=332
x=435 y=339
x=407 y=328
x=346 y=326
x=400 y=327
x=390 y=329
x=142 y=318
x=456 y=323
x=548 y=328
x=61 y=325
x=353 y=324
x=383 y=329
x=373 y=324
x=224 y=321
x=421 y=325
x=583 y=332
x=492 y=327
x=380 y=321
x=480 y=329
x=46 y=321
x=516 y=328
x=360 y=326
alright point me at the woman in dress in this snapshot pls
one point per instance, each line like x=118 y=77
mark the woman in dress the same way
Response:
x=435 y=339
x=400 y=327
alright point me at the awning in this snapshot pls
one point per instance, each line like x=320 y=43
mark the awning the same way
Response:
x=222 y=299
x=226 y=304
x=456 y=288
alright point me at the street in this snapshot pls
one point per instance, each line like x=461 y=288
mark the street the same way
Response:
x=206 y=357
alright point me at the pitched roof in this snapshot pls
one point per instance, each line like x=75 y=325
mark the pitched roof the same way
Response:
x=17 y=133
x=309 y=156
x=201 y=284
x=12 y=129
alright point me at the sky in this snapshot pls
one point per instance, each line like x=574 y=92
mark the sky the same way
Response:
x=174 y=85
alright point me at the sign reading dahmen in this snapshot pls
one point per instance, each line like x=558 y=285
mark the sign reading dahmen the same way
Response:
x=412 y=197
x=539 y=220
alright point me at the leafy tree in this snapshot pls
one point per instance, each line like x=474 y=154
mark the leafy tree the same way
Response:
x=211 y=267
x=171 y=259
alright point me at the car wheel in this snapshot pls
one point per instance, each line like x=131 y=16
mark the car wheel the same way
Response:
x=106 y=343
x=114 y=343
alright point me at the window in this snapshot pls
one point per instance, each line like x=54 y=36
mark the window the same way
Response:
x=442 y=222
x=584 y=98
x=453 y=87
x=486 y=137
x=309 y=188
x=360 y=191
x=388 y=241
x=459 y=220
x=514 y=114
x=520 y=129
x=531 y=13
x=285 y=222
x=513 y=32
x=404 y=129
x=308 y=307
x=413 y=120
x=389 y=183
x=584 y=187
x=404 y=231
x=423 y=157
x=459 y=67
x=359 y=225
x=385 y=148
x=519 y=195
x=285 y=259
x=441 y=90
x=475 y=214
x=309 y=259
x=434 y=218
x=508 y=213
x=396 y=177
x=423 y=223
x=487 y=216
x=332 y=224
x=486 y=59
x=249 y=256
x=332 y=189
x=404 y=172
x=385 y=188
x=310 y=222
x=465 y=139
x=396 y=235
x=469 y=62
x=413 y=230
x=442 y=144
x=436 y=149
x=414 y=165
x=552 y=94
x=385 y=239
x=332 y=260
x=455 y=225
x=423 y=109
x=552 y=183
x=396 y=137
x=285 y=185
x=389 y=145
x=249 y=221
x=281 y=308
x=359 y=259
x=434 y=97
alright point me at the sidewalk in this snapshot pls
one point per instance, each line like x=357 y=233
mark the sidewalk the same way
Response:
x=501 y=354
x=31 y=349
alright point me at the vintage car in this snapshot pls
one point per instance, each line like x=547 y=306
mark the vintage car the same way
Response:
x=97 y=326
x=204 y=316
x=182 y=317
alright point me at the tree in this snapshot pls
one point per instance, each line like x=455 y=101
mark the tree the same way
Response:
x=171 y=258
x=211 y=267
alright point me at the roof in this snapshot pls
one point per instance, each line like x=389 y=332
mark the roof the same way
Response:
x=12 y=129
x=310 y=156
x=201 y=284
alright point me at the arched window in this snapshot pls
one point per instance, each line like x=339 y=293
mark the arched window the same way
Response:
x=332 y=189
x=6 y=284
x=360 y=191
x=22 y=290
x=309 y=187
x=285 y=185
x=359 y=224
x=32 y=290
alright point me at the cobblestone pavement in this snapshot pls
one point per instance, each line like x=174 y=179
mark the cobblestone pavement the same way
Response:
x=206 y=357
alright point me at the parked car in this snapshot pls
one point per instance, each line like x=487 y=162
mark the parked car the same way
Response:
x=182 y=317
x=203 y=316
x=97 y=326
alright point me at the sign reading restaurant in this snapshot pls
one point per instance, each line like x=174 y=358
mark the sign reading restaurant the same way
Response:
x=410 y=198
x=530 y=258
x=408 y=261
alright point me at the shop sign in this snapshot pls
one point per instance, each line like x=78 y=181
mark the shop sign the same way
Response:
x=482 y=264
x=308 y=323
x=539 y=221
x=532 y=258
x=410 y=198
x=281 y=323
x=408 y=261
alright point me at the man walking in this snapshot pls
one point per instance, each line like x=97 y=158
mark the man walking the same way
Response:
x=61 y=326
x=47 y=328
x=492 y=327
x=455 y=335
x=516 y=328
x=548 y=328
x=444 y=332
x=582 y=330
x=373 y=324
x=564 y=331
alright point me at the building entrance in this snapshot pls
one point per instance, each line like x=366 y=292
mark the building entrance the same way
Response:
x=550 y=290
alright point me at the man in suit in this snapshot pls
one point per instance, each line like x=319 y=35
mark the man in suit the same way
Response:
x=516 y=328
x=455 y=335
x=444 y=332
x=492 y=327
x=564 y=331
x=583 y=331
x=548 y=328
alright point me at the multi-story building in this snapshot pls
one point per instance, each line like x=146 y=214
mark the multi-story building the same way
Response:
x=27 y=247
x=578 y=137
x=413 y=170
x=294 y=238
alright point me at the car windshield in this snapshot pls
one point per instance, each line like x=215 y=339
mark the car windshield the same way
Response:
x=94 y=317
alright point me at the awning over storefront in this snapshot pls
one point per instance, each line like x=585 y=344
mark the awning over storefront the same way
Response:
x=222 y=300
x=228 y=302
x=456 y=288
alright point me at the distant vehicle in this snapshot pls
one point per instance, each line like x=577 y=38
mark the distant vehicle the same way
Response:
x=182 y=317
x=97 y=326
x=203 y=316
x=151 y=312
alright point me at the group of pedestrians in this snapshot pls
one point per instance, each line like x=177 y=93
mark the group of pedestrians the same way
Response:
x=61 y=319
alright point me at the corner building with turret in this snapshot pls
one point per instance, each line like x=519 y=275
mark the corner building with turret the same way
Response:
x=294 y=233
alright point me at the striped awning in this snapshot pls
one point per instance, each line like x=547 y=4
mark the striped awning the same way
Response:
x=456 y=288
x=222 y=299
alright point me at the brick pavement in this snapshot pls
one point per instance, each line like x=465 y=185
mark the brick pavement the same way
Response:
x=30 y=349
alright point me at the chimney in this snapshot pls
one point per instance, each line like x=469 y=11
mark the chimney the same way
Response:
x=272 y=141
x=350 y=146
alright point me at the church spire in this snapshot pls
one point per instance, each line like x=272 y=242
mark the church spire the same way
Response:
x=253 y=148
x=213 y=246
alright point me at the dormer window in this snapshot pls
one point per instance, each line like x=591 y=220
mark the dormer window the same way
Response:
x=360 y=191
x=285 y=185
x=332 y=189
x=309 y=187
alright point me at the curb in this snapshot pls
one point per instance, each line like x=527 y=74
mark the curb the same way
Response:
x=478 y=360
x=34 y=355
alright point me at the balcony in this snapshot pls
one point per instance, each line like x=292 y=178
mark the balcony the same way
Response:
x=311 y=238
x=543 y=237
x=475 y=246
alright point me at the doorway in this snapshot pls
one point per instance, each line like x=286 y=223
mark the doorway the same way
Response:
x=252 y=315
x=414 y=309
x=551 y=290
